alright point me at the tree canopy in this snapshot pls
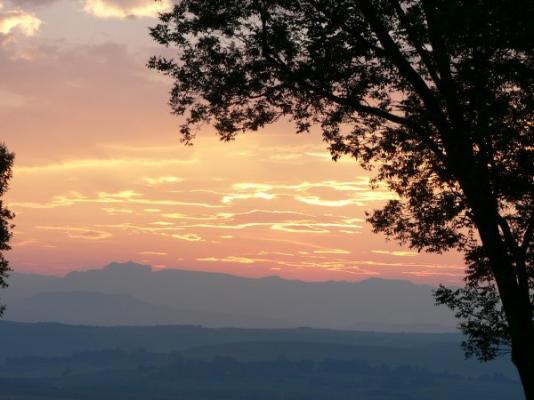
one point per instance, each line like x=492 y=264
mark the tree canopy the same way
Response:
x=436 y=95
x=6 y=163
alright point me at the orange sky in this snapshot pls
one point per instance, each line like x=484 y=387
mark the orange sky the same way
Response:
x=101 y=176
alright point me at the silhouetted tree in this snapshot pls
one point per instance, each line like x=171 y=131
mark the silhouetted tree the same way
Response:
x=6 y=162
x=436 y=93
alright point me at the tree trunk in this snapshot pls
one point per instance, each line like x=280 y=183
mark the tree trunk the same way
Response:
x=515 y=301
x=523 y=358
x=519 y=317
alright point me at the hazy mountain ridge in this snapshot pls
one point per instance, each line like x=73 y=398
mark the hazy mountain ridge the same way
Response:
x=96 y=308
x=216 y=300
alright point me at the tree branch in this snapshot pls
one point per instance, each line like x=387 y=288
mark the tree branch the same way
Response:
x=521 y=272
x=507 y=232
x=403 y=66
x=355 y=105
x=320 y=7
x=446 y=83
x=528 y=235
x=425 y=56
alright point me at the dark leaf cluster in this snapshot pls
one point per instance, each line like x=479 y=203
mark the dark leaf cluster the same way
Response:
x=6 y=163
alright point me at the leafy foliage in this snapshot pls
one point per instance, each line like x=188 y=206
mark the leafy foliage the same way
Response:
x=6 y=162
x=434 y=94
x=482 y=319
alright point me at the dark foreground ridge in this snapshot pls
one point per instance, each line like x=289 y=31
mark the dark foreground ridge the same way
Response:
x=55 y=361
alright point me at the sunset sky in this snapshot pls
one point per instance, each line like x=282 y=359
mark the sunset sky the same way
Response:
x=101 y=175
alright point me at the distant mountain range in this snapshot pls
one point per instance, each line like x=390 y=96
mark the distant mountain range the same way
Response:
x=134 y=294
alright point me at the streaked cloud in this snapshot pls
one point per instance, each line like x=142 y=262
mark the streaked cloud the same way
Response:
x=18 y=21
x=331 y=251
x=122 y=197
x=117 y=211
x=24 y=243
x=153 y=253
x=246 y=196
x=320 y=227
x=78 y=232
x=161 y=180
x=357 y=192
x=358 y=185
x=181 y=216
x=101 y=164
x=189 y=237
x=122 y=9
x=229 y=259
x=396 y=253
x=317 y=201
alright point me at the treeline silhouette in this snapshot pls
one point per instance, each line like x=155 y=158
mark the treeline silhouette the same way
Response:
x=141 y=374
